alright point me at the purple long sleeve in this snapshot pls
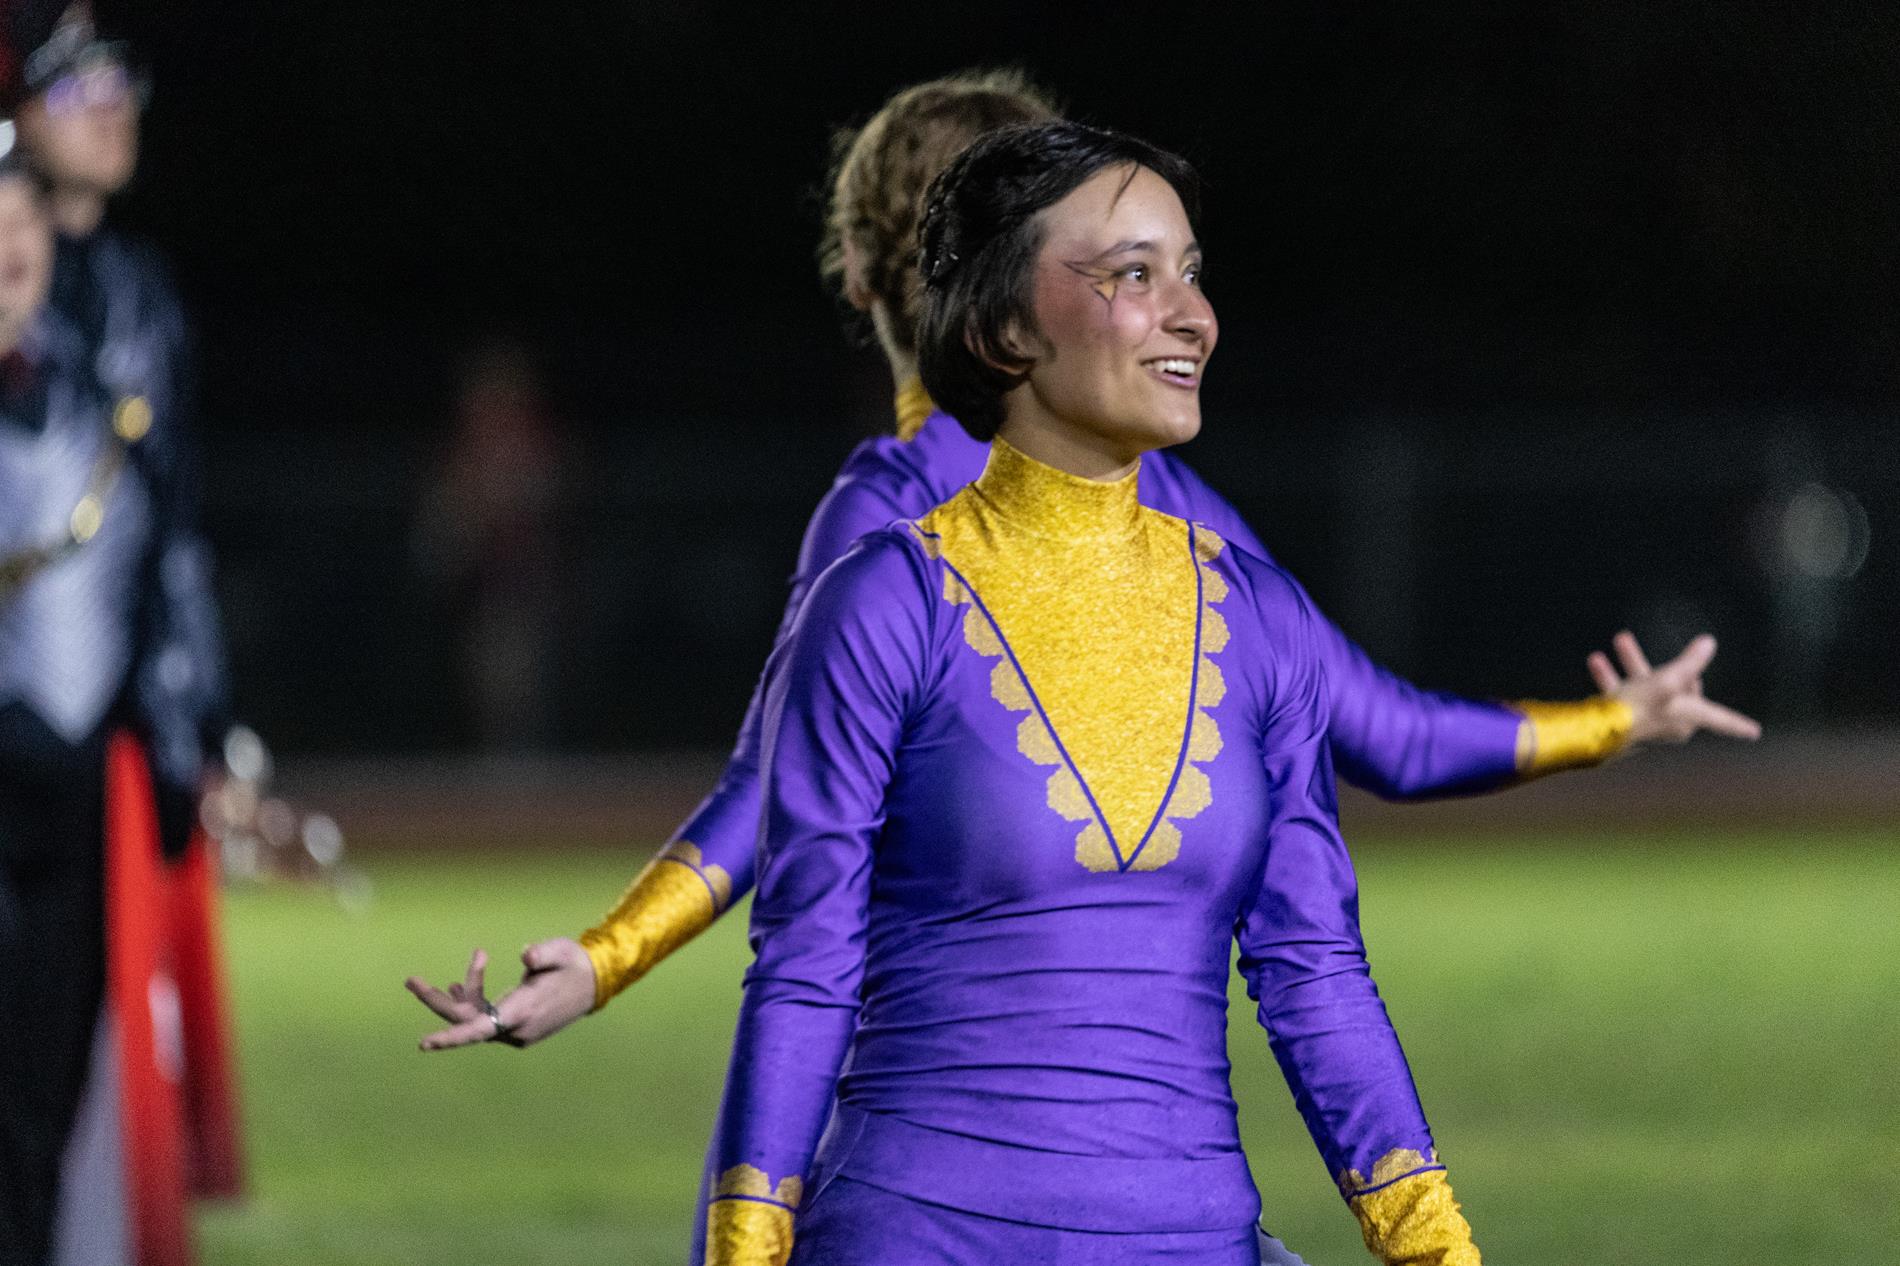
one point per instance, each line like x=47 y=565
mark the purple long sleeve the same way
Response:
x=833 y=710
x=1300 y=947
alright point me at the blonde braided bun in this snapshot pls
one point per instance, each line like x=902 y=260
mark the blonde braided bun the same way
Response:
x=883 y=168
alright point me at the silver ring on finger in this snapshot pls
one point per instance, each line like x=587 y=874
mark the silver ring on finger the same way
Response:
x=502 y=1031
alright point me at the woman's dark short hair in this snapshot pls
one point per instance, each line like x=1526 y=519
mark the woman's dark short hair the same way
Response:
x=979 y=242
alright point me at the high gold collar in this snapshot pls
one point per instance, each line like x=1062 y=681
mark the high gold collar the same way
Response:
x=914 y=407
x=1054 y=503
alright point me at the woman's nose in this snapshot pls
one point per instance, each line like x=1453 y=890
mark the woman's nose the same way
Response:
x=1191 y=315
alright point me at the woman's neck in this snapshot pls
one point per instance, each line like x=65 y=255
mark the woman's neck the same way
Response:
x=1034 y=432
x=902 y=360
x=1054 y=442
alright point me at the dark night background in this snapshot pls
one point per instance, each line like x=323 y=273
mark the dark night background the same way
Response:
x=1535 y=324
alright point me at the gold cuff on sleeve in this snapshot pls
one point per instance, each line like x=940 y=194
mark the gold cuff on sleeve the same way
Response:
x=747 y=1233
x=674 y=899
x=1414 y=1221
x=748 y=1220
x=1571 y=735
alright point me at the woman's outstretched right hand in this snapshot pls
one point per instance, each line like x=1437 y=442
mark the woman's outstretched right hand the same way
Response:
x=556 y=989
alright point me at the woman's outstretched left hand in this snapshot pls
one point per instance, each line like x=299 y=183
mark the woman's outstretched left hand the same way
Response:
x=1667 y=703
x=556 y=989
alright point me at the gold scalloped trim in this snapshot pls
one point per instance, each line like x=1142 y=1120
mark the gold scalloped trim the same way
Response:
x=750 y=1180
x=932 y=546
x=713 y=873
x=1192 y=793
x=1394 y=1165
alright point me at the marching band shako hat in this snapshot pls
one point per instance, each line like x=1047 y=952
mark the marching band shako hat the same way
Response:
x=71 y=45
x=43 y=41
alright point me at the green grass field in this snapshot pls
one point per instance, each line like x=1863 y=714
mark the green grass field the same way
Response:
x=1633 y=1051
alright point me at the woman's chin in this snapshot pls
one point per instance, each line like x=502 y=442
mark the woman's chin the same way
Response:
x=1177 y=428
x=1155 y=434
x=1144 y=432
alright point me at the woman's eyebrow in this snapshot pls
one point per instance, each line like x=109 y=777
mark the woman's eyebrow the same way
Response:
x=1143 y=244
x=1123 y=247
x=1104 y=280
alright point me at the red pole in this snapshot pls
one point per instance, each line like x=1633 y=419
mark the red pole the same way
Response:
x=138 y=984
x=214 y=1146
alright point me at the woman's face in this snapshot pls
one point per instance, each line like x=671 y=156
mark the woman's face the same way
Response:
x=1124 y=329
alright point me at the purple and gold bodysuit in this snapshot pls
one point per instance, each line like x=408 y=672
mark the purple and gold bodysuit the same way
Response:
x=1032 y=763
x=1386 y=735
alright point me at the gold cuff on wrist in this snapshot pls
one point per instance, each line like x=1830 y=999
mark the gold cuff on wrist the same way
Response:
x=1570 y=735
x=1414 y=1221
x=675 y=898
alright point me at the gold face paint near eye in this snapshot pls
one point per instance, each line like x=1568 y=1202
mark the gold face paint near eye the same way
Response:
x=1103 y=281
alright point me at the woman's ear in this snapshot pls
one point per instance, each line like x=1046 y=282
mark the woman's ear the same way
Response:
x=1021 y=342
x=1013 y=353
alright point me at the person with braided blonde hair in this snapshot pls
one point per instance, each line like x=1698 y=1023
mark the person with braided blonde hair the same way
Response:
x=1383 y=733
x=868 y=253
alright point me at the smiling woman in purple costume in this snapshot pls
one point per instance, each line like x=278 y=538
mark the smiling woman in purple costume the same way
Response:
x=1033 y=762
x=1385 y=734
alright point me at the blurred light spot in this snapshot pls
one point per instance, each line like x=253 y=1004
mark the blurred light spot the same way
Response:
x=322 y=839
x=245 y=754
x=1824 y=533
x=240 y=803
x=132 y=419
x=87 y=516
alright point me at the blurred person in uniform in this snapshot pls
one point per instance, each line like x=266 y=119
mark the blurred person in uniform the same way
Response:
x=54 y=697
x=88 y=488
x=78 y=127
x=113 y=694
x=487 y=535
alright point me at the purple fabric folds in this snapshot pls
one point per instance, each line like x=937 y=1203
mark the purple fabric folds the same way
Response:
x=857 y=1224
